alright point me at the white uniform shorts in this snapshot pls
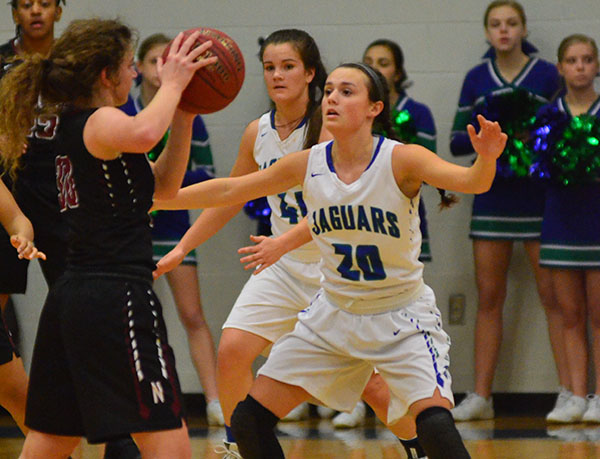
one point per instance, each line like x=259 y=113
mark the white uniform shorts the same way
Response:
x=332 y=353
x=269 y=303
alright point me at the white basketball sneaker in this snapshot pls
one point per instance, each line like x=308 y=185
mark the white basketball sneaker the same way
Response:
x=474 y=407
x=214 y=414
x=571 y=411
x=556 y=415
x=352 y=419
x=592 y=413
x=229 y=450
x=299 y=413
x=325 y=412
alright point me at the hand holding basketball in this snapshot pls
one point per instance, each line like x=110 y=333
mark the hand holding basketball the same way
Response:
x=212 y=87
x=180 y=61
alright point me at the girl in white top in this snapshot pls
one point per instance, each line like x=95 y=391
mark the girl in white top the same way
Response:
x=268 y=305
x=373 y=310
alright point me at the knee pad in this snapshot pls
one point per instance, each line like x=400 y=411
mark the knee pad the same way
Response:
x=438 y=436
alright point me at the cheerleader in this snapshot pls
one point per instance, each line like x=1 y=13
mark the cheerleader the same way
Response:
x=507 y=86
x=567 y=136
x=412 y=121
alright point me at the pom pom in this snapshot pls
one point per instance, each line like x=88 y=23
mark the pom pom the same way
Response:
x=403 y=125
x=567 y=150
x=258 y=209
x=515 y=111
x=158 y=148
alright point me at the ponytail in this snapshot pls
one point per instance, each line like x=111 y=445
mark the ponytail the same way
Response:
x=17 y=114
x=447 y=200
x=68 y=76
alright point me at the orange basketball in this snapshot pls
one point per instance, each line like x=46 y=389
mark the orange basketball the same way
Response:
x=213 y=87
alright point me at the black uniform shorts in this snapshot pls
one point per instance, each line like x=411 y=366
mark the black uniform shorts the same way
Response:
x=102 y=366
x=7 y=347
x=13 y=272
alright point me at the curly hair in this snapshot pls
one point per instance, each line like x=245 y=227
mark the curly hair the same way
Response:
x=67 y=76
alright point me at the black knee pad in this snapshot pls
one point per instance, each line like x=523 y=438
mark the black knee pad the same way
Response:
x=253 y=428
x=438 y=436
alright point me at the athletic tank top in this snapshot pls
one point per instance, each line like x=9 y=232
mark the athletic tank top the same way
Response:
x=367 y=232
x=288 y=208
x=105 y=203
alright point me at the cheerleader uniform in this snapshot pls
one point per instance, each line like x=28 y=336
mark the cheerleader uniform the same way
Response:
x=102 y=366
x=169 y=226
x=373 y=309
x=571 y=226
x=513 y=207
x=424 y=135
x=269 y=303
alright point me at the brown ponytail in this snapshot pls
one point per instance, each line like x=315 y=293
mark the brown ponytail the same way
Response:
x=68 y=76
x=18 y=106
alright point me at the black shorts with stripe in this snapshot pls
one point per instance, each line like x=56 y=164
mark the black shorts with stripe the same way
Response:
x=102 y=366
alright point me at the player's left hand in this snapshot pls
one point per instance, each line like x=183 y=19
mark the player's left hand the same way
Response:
x=490 y=141
x=263 y=254
x=25 y=248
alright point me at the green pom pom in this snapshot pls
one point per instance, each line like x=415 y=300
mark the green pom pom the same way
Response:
x=576 y=156
x=515 y=111
x=404 y=126
x=158 y=148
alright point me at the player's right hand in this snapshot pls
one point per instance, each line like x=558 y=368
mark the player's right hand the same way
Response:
x=169 y=262
x=25 y=248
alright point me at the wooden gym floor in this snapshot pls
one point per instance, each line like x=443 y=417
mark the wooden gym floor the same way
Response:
x=503 y=438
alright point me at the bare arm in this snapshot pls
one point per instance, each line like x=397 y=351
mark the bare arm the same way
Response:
x=267 y=250
x=109 y=131
x=414 y=164
x=212 y=220
x=171 y=165
x=284 y=174
x=17 y=225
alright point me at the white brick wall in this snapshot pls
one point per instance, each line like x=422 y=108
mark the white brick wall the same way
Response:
x=441 y=39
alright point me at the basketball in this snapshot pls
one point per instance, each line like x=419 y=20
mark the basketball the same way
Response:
x=215 y=86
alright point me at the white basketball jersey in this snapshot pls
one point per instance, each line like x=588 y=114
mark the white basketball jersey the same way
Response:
x=367 y=232
x=287 y=209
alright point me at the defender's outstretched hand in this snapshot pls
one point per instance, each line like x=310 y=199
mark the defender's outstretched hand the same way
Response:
x=169 y=262
x=263 y=254
x=490 y=141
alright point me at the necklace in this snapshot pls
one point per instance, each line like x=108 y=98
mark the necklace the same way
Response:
x=289 y=123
